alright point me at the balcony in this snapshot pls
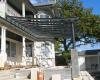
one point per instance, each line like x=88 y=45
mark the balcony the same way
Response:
x=11 y=12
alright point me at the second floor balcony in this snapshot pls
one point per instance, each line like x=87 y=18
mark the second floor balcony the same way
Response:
x=11 y=11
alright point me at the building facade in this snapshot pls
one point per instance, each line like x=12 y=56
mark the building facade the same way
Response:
x=89 y=60
x=19 y=45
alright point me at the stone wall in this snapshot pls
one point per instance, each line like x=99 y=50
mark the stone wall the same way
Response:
x=45 y=54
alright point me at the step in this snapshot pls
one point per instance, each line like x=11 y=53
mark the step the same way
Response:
x=23 y=74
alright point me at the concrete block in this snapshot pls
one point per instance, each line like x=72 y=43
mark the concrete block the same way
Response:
x=56 y=77
x=34 y=73
x=75 y=64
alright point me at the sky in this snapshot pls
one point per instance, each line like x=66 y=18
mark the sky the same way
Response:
x=95 y=4
x=33 y=1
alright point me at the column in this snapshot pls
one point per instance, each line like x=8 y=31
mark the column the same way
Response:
x=34 y=57
x=33 y=53
x=23 y=51
x=98 y=62
x=2 y=8
x=23 y=9
x=3 y=55
x=53 y=51
x=75 y=64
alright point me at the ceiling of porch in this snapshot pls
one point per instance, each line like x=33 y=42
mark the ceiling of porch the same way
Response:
x=14 y=36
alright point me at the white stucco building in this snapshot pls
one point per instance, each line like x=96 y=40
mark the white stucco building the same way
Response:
x=19 y=45
x=89 y=60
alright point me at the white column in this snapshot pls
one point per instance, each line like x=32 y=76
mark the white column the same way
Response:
x=2 y=9
x=3 y=55
x=23 y=51
x=34 y=16
x=36 y=52
x=23 y=9
x=33 y=53
x=53 y=52
x=3 y=40
x=75 y=64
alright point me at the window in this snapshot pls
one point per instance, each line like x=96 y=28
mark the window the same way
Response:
x=29 y=50
x=8 y=48
x=44 y=16
x=11 y=49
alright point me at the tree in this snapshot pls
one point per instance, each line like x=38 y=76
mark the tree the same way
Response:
x=89 y=24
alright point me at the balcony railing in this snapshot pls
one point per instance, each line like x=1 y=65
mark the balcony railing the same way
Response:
x=11 y=12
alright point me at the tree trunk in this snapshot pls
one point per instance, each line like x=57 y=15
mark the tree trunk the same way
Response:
x=65 y=46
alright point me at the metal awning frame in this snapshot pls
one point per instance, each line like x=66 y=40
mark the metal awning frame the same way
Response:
x=55 y=27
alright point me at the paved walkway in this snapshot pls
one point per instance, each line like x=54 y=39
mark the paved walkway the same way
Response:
x=14 y=74
x=65 y=74
x=84 y=75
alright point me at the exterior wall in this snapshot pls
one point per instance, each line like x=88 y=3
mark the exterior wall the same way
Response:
x=6 y=9
x=44 y=54
x=81 y=60
x=90 y=63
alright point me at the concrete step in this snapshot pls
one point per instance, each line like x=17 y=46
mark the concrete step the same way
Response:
x=20 y=74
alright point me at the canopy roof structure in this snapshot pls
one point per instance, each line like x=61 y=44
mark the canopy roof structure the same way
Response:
x=45 y=27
